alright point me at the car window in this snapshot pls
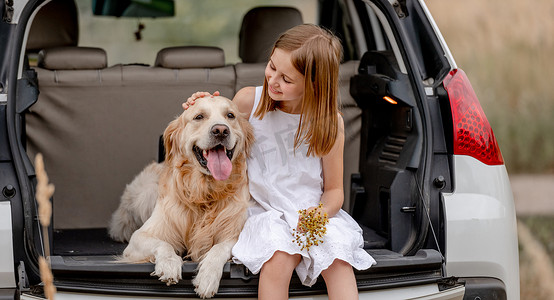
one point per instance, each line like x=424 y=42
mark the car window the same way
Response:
x=202 y=23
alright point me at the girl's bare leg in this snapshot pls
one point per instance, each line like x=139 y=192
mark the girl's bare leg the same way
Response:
x=340 y=281
x=276 y=274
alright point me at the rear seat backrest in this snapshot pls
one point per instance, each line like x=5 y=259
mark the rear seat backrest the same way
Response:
x=188 y=57
x=97 y=127
x=195 y=68
x=72 y=58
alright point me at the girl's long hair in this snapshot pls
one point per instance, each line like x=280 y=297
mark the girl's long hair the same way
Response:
x=316 y=53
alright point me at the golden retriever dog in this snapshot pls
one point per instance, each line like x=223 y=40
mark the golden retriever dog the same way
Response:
x=195 y=202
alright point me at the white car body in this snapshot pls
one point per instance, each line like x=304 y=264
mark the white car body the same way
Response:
x=480 y=234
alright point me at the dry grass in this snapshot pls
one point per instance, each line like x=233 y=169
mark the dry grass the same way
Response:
x=44 y=192
x=505 y=47
x=535 y=263
x=542 y=228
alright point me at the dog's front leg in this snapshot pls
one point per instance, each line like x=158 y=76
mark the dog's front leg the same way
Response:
x=210 y=269
x=168 y=265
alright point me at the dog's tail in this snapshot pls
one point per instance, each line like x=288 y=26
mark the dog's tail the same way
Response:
x=122 y=225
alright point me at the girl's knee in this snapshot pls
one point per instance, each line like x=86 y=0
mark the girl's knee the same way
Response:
x=338 y=267
x=339 y=263
x=283 y=259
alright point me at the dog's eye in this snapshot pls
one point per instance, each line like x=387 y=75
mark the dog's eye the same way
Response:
x=231 y=115
x=199 y=117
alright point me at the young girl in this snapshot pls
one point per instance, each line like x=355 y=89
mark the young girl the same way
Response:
x=297 y=163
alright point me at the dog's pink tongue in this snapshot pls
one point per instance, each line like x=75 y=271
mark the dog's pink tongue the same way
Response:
x=219 y=164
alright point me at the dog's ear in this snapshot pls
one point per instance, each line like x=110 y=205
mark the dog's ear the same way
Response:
x=171 y=133
x=248 y=135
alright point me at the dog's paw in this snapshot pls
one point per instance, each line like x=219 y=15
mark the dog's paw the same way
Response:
x=169 y=270
x=206 y=282
x=205 y=288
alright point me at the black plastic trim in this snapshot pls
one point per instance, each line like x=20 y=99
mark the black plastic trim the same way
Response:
x=387 y=261
x=26 y=237
x=103 y=274
x=484 y=288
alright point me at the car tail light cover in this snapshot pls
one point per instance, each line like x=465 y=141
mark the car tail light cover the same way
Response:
x=473 y=134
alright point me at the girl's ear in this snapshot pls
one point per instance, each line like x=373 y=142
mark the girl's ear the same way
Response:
x=170 y=137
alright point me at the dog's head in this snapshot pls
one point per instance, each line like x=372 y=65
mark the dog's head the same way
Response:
x=210 y=134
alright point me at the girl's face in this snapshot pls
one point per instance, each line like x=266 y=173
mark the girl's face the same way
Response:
x=285 y=83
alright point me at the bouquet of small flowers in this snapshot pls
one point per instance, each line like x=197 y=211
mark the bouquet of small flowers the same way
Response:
x=311 y=228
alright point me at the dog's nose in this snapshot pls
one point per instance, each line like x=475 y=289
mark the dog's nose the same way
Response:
x=220 y=130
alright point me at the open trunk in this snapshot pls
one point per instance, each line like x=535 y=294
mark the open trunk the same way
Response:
x=97 y=126
x=384 y=196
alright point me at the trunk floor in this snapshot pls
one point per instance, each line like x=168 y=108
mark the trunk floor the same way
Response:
x=95 y=241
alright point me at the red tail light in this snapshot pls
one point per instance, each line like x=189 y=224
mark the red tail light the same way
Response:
x=473 y=134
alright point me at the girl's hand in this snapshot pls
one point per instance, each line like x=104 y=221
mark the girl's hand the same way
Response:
x=190 y=101
x=301 y=219
x=311 y=227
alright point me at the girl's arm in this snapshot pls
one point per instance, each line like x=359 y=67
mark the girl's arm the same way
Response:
x=332 y=163
x=244 y=99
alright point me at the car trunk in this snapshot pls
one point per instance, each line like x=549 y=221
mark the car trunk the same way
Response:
x=99 y=125
x=384 y=200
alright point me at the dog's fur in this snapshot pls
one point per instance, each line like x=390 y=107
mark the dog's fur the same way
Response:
x=185 y=210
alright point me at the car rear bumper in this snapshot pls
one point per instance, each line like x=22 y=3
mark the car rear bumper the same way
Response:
x=427 y=292
x=472 y=288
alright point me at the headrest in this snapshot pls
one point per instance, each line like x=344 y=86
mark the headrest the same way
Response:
x=55 y=25
x=72 y=58
x=261 y=26
x=188 y=57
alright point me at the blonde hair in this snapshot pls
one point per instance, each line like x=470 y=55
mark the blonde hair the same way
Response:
x=316 y=53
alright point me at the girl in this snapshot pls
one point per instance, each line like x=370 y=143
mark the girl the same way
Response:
x=296 y=164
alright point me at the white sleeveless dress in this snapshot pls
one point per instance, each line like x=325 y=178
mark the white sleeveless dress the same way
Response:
x=283 y=181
